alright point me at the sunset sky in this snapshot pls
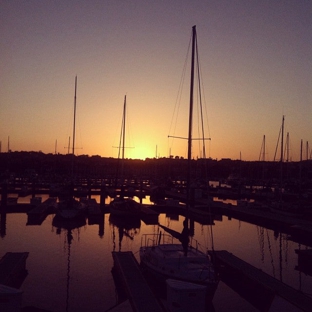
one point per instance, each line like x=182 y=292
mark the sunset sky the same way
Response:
x=256 y=66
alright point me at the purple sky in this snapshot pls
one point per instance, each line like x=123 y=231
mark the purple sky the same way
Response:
x=255 y=59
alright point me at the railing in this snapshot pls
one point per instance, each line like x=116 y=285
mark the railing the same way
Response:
x=149 y=240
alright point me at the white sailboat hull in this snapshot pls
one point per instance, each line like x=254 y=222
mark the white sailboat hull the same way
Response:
x=168 y=261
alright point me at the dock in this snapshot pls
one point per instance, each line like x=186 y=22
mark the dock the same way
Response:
x=137 y=290
x=263 y=288
x=304 y=260
x=299 y=229
x=148 y=215
x=13 y=269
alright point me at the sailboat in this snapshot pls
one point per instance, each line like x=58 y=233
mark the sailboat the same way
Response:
x=69 y=207
x=280 y=206
x=172 y=257
x=124 y=206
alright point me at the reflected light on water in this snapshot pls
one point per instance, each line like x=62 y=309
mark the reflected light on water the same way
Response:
x=89 y=284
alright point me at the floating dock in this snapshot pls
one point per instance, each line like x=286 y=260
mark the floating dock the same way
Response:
x=304 y=260
x=13 y=269
x=262 y=288
x=138 y=292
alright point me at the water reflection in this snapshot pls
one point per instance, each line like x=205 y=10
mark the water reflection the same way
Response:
x=2 y=224
x=126 y=227
x=93 y=288
x=67 y=226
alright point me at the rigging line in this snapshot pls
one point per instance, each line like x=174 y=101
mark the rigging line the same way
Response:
x=199 y=91
x=129 y=133
x=260 y=234
x=78 y=127
x=286 y=250
x=202 y=93
x=288 y=148
x=200 y=102
x=262 y=149
x=199 y=81
x=119 y=149
x=120 y=138
x=270 y=251
x=179 y=94
x=277 y=143
x=280 y=258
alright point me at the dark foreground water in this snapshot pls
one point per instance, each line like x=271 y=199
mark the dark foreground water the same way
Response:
x=77 y=276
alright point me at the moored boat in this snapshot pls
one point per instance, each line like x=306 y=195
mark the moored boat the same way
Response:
x=174 y=257
x=71 y=208
x=164 y=259
x=123 y=206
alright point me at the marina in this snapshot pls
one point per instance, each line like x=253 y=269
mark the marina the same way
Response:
x=177 y=212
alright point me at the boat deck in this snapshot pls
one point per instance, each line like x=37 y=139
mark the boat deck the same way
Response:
x=176 y=251
x=139 y=293
x=263 y=280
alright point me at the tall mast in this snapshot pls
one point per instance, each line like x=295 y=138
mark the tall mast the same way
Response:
x=124 y=128
x=74 y=126
x=264 y=148
x=282 y=144
x=287 y=150
x=189 y=155
x=123 y=143
x=300 y=167
x=282 y=140
x=263 y=158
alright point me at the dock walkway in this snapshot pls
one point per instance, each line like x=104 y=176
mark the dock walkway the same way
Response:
x=13 y=268
x=139 y=293
x=264 y=280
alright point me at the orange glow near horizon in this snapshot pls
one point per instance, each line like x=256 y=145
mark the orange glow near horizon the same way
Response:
x=254 y=68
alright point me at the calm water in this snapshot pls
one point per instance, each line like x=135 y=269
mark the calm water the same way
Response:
x=77 y=277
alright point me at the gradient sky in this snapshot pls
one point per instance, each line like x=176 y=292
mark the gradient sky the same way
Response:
x=255 y=59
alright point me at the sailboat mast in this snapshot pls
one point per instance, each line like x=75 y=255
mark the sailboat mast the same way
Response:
x=282 y=140
x=124 y=128
x=263 y=158
x=282 y=145
x=74 y=125
x=189 y=155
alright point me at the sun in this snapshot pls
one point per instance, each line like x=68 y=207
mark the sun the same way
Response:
x=140 y=152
